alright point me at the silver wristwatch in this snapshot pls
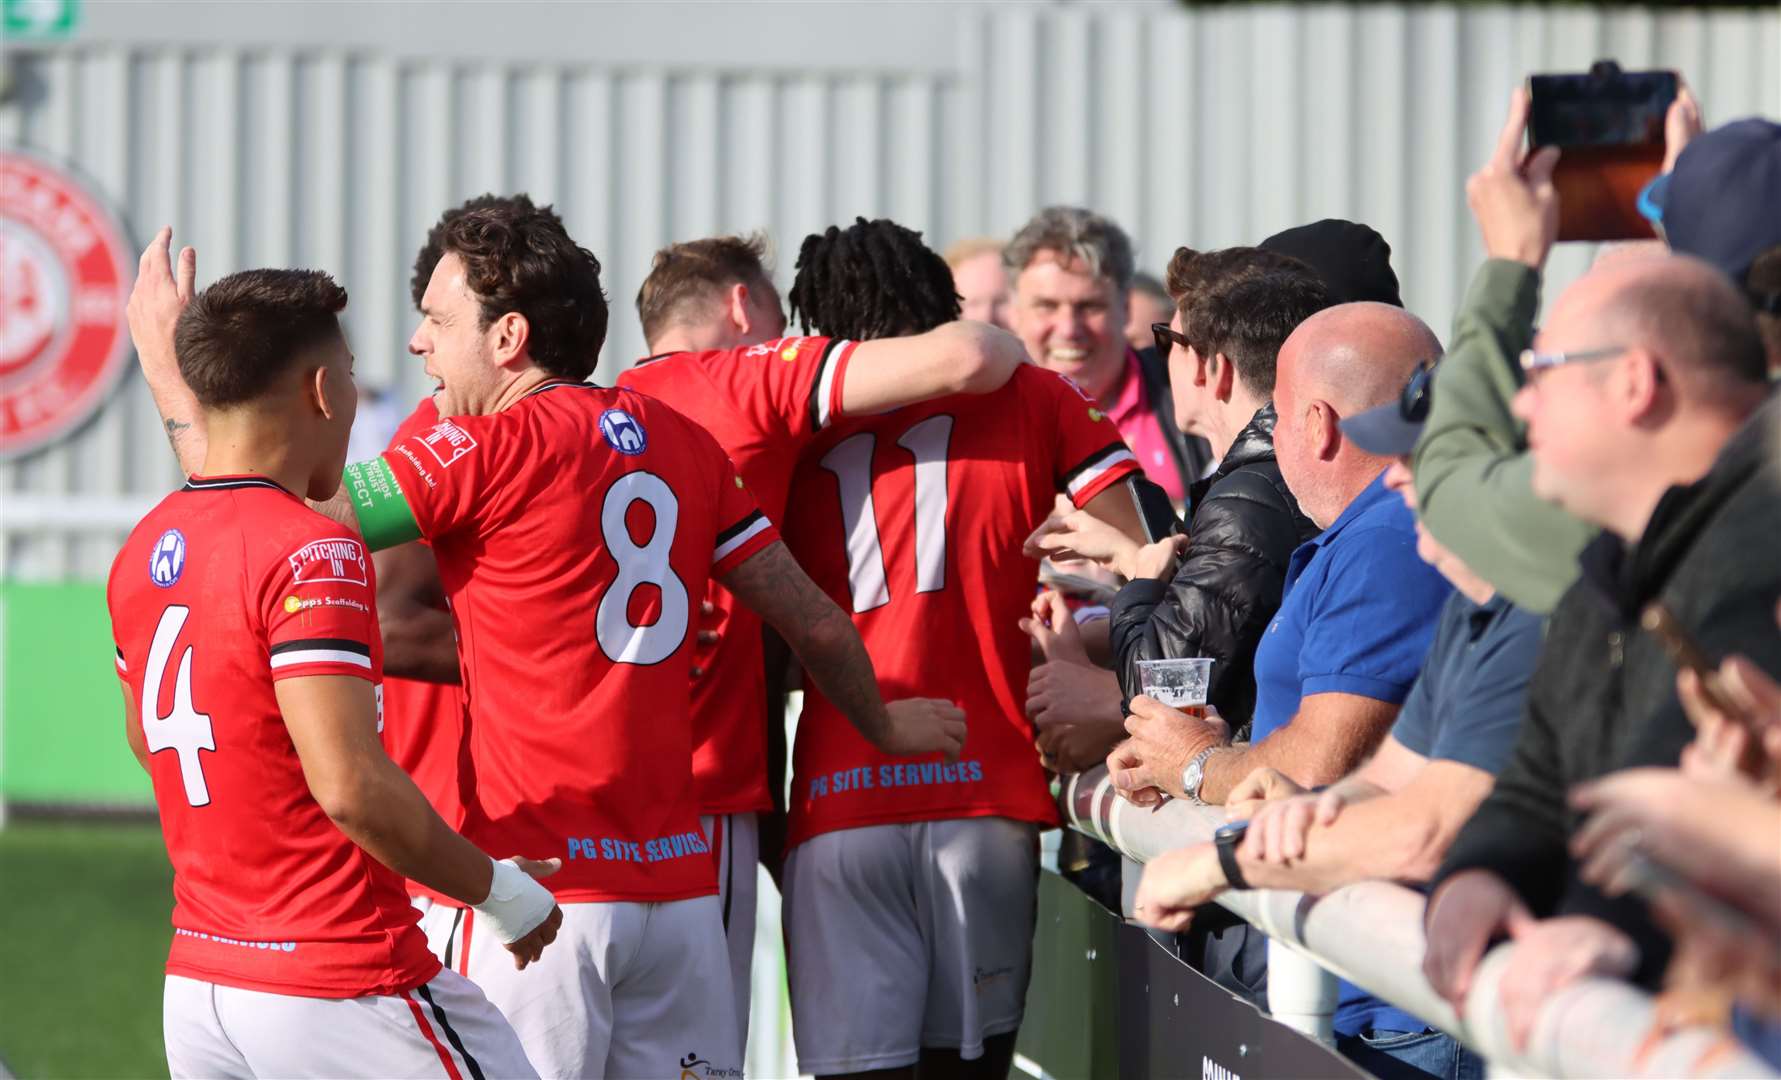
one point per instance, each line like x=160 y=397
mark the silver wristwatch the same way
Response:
x=1195 y=775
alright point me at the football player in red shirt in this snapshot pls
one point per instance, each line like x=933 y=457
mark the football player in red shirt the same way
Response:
x=247 y=643
x=574 y=528
x=923 y=874
x=720 y=356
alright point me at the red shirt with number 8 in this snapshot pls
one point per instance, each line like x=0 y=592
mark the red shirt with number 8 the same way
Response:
x=575 y=532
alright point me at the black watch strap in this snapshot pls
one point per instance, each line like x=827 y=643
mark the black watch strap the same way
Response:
x=1226 y=843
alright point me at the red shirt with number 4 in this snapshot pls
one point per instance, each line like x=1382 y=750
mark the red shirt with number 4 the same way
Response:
x=763 y=404
x=913 y=521
x=575 y=532
x=227 y=586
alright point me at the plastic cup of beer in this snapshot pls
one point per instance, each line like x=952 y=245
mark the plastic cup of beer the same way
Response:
x=1179 y=684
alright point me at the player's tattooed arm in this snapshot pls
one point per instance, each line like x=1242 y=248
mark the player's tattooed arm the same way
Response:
x=776 y=588
x=156 y=300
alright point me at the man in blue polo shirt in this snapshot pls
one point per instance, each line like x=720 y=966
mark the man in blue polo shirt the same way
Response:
x=1395 y=816
x=1360 y=607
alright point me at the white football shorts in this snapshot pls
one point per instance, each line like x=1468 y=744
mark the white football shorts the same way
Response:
x=900 y=937
x=627 y=990
x=736 y=841
x=444 y=1028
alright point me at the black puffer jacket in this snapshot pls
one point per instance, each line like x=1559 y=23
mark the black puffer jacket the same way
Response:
x=1603 y=697
x=1227 y=588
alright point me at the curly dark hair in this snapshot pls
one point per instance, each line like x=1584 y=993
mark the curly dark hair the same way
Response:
x=875 y=279
x=238 y=337
x=431 y=251
x=519 y=258
x=1243 y=302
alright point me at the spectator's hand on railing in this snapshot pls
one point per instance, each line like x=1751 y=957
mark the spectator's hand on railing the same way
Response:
x=1175 y=884
x=1553 y=954
x=1163 y=740
x=1512 y=195
x=1053 y=628
x=1464 y=914
x=1261 y=786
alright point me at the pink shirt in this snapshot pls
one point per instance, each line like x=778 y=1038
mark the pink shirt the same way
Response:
x=1139 y=427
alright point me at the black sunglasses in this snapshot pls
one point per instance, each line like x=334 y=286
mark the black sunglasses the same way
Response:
x=1167 y=339
x=1413 y=404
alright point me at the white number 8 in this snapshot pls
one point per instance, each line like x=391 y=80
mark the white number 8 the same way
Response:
x=621 y=641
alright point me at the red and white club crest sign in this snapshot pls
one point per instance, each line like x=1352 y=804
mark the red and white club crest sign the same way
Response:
x=64 y=267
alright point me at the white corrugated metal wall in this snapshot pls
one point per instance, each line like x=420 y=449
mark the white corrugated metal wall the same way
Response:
x=284 y=134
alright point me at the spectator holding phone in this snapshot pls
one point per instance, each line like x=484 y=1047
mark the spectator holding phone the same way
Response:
x=1472 y=465
x=1646 y=416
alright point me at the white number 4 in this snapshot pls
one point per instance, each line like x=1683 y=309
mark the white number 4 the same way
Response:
x=851 y=462
x=185 y=730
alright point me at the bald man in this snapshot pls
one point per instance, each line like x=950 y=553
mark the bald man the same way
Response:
x=1360 y=607
x=1648 y=416
x=1354 y=626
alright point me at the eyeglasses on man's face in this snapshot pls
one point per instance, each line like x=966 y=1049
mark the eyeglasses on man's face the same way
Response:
x=1533 y=362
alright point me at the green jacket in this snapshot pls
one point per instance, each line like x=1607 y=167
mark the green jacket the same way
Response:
x=1472 y=469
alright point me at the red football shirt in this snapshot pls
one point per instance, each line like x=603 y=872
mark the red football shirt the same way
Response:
x=575 y=532
x=763 y=404
x=228 y=585
x=913 y=521
x=423 y=722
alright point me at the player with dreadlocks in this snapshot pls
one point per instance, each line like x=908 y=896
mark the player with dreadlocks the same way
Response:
x=924 y=873
x=874 y=279
x=720 y=357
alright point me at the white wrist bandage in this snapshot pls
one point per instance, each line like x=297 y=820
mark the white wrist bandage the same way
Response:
x=516 y=903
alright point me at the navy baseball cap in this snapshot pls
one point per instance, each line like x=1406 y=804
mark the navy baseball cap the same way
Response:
x=1391 y=430
x=1722 y=201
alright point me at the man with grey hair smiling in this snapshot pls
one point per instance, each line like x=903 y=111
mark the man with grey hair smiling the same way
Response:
x=1072 y=272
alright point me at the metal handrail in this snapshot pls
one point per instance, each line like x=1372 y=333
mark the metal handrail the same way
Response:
x=1371 y=934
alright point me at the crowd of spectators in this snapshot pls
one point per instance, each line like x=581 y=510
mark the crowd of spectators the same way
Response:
x=1497 y=621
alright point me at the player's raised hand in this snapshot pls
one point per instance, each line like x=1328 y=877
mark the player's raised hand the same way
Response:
x=924 y=725
x=160 y=294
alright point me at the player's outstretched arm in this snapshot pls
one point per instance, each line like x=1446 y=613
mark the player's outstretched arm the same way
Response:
x=776 y=588
x=156 y=300
x=957 y=358
x=333 y=724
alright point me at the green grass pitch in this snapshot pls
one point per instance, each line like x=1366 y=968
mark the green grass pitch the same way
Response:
x=84 y=911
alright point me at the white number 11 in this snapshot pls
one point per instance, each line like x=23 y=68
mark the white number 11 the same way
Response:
x=851 y=462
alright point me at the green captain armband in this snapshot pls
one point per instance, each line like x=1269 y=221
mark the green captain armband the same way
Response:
x=385 y=517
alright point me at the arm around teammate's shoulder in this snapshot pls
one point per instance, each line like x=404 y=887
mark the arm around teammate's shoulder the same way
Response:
x=957 y=358
x=773 y=585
